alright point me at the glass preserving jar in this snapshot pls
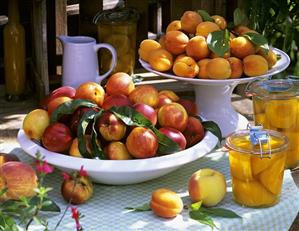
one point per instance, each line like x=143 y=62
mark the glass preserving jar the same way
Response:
x=118 y=28
x=276 y=107
x=257 y=167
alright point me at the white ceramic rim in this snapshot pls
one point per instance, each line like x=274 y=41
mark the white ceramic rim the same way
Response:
x=280 y=66
x=137 y=165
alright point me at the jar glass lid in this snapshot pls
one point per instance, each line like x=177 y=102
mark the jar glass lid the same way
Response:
x=272 y=89
x=241 y=141
x=124 y=14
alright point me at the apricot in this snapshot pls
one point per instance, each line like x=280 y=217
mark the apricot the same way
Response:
x=271 y=178
x=207 y=185
x=220 y=21
x=175 y=135
x=35 y=123
x=202 y=64
x=254 y=65
x=147 y=111
x=116 y=101
x=270 y=56
x=173 y=115
x=142 y=143
x=166 y=203
x=236 y=66
x=19 y=179
x=241 y=47
x=292 y=159
x=214 y=55
x=174 y=25
x=190 y=106
x=218 y=68
x=241 y=30
x=240 y=165
x=120 y=83
x=252 y=194
x=146 y=46
x=146 y=94
x=282 y=113
x=160 y=59
x=189 y=21
x=117 y=150
x=197 y=48
x=205 y=28
x=185 y=67
x=176 y=42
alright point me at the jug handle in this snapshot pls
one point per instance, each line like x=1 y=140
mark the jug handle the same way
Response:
x=114 y=56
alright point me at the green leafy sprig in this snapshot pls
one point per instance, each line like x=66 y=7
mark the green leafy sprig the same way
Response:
x=197 y=212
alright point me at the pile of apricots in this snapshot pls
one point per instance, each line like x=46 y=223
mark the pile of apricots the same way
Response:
x=183 y=50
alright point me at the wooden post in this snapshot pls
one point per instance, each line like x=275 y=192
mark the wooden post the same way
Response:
x=39 y=19
x=61 y=22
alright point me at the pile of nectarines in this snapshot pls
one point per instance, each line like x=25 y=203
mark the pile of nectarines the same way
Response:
x=184 y=50
x=170 y=116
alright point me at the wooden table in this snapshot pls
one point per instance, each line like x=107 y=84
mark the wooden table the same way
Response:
x=13 y=113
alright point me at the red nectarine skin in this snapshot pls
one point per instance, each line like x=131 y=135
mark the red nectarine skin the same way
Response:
x=146 y=94
x=120 y=83
x=63 y=91
x=142 y=143
x=91 y=91
x=194 y=131
x=173 y=115
x=116 y=100
x=57 y=138
x=175 y=135
x=146 y=110
x=189 y=105
x=19 y=178
x=110 y=127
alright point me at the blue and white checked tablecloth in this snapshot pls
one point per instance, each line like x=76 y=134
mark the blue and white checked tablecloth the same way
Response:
x=105 y=211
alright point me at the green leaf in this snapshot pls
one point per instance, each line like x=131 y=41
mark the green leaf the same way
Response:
x=196 y=206
x=70 y=107
x=7 y=223
x=258 y=40
x=213 y=128
x=205 y=15
x=50 y=206
x=96 y=148
x=218 y=42
x=142 y=208
x=132 y=118
x=3 y=191
x=202 y=218
x=85 y=120
x=166 y=145
x=220 y=212
x=240 y=17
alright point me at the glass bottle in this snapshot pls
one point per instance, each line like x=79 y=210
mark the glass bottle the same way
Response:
x=14 y=53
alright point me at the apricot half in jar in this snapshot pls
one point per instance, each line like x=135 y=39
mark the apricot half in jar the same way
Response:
x=252 y=193
x=282 y=113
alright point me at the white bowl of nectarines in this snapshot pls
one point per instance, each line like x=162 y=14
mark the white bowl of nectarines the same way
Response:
x=121 y=172
x=120 y=133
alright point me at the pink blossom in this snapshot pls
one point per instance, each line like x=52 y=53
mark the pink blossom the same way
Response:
x=82 y=172
x=44 y=167
x=65 y=176
x=76 y=217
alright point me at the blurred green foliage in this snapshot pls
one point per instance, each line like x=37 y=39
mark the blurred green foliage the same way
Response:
x=278 y=21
